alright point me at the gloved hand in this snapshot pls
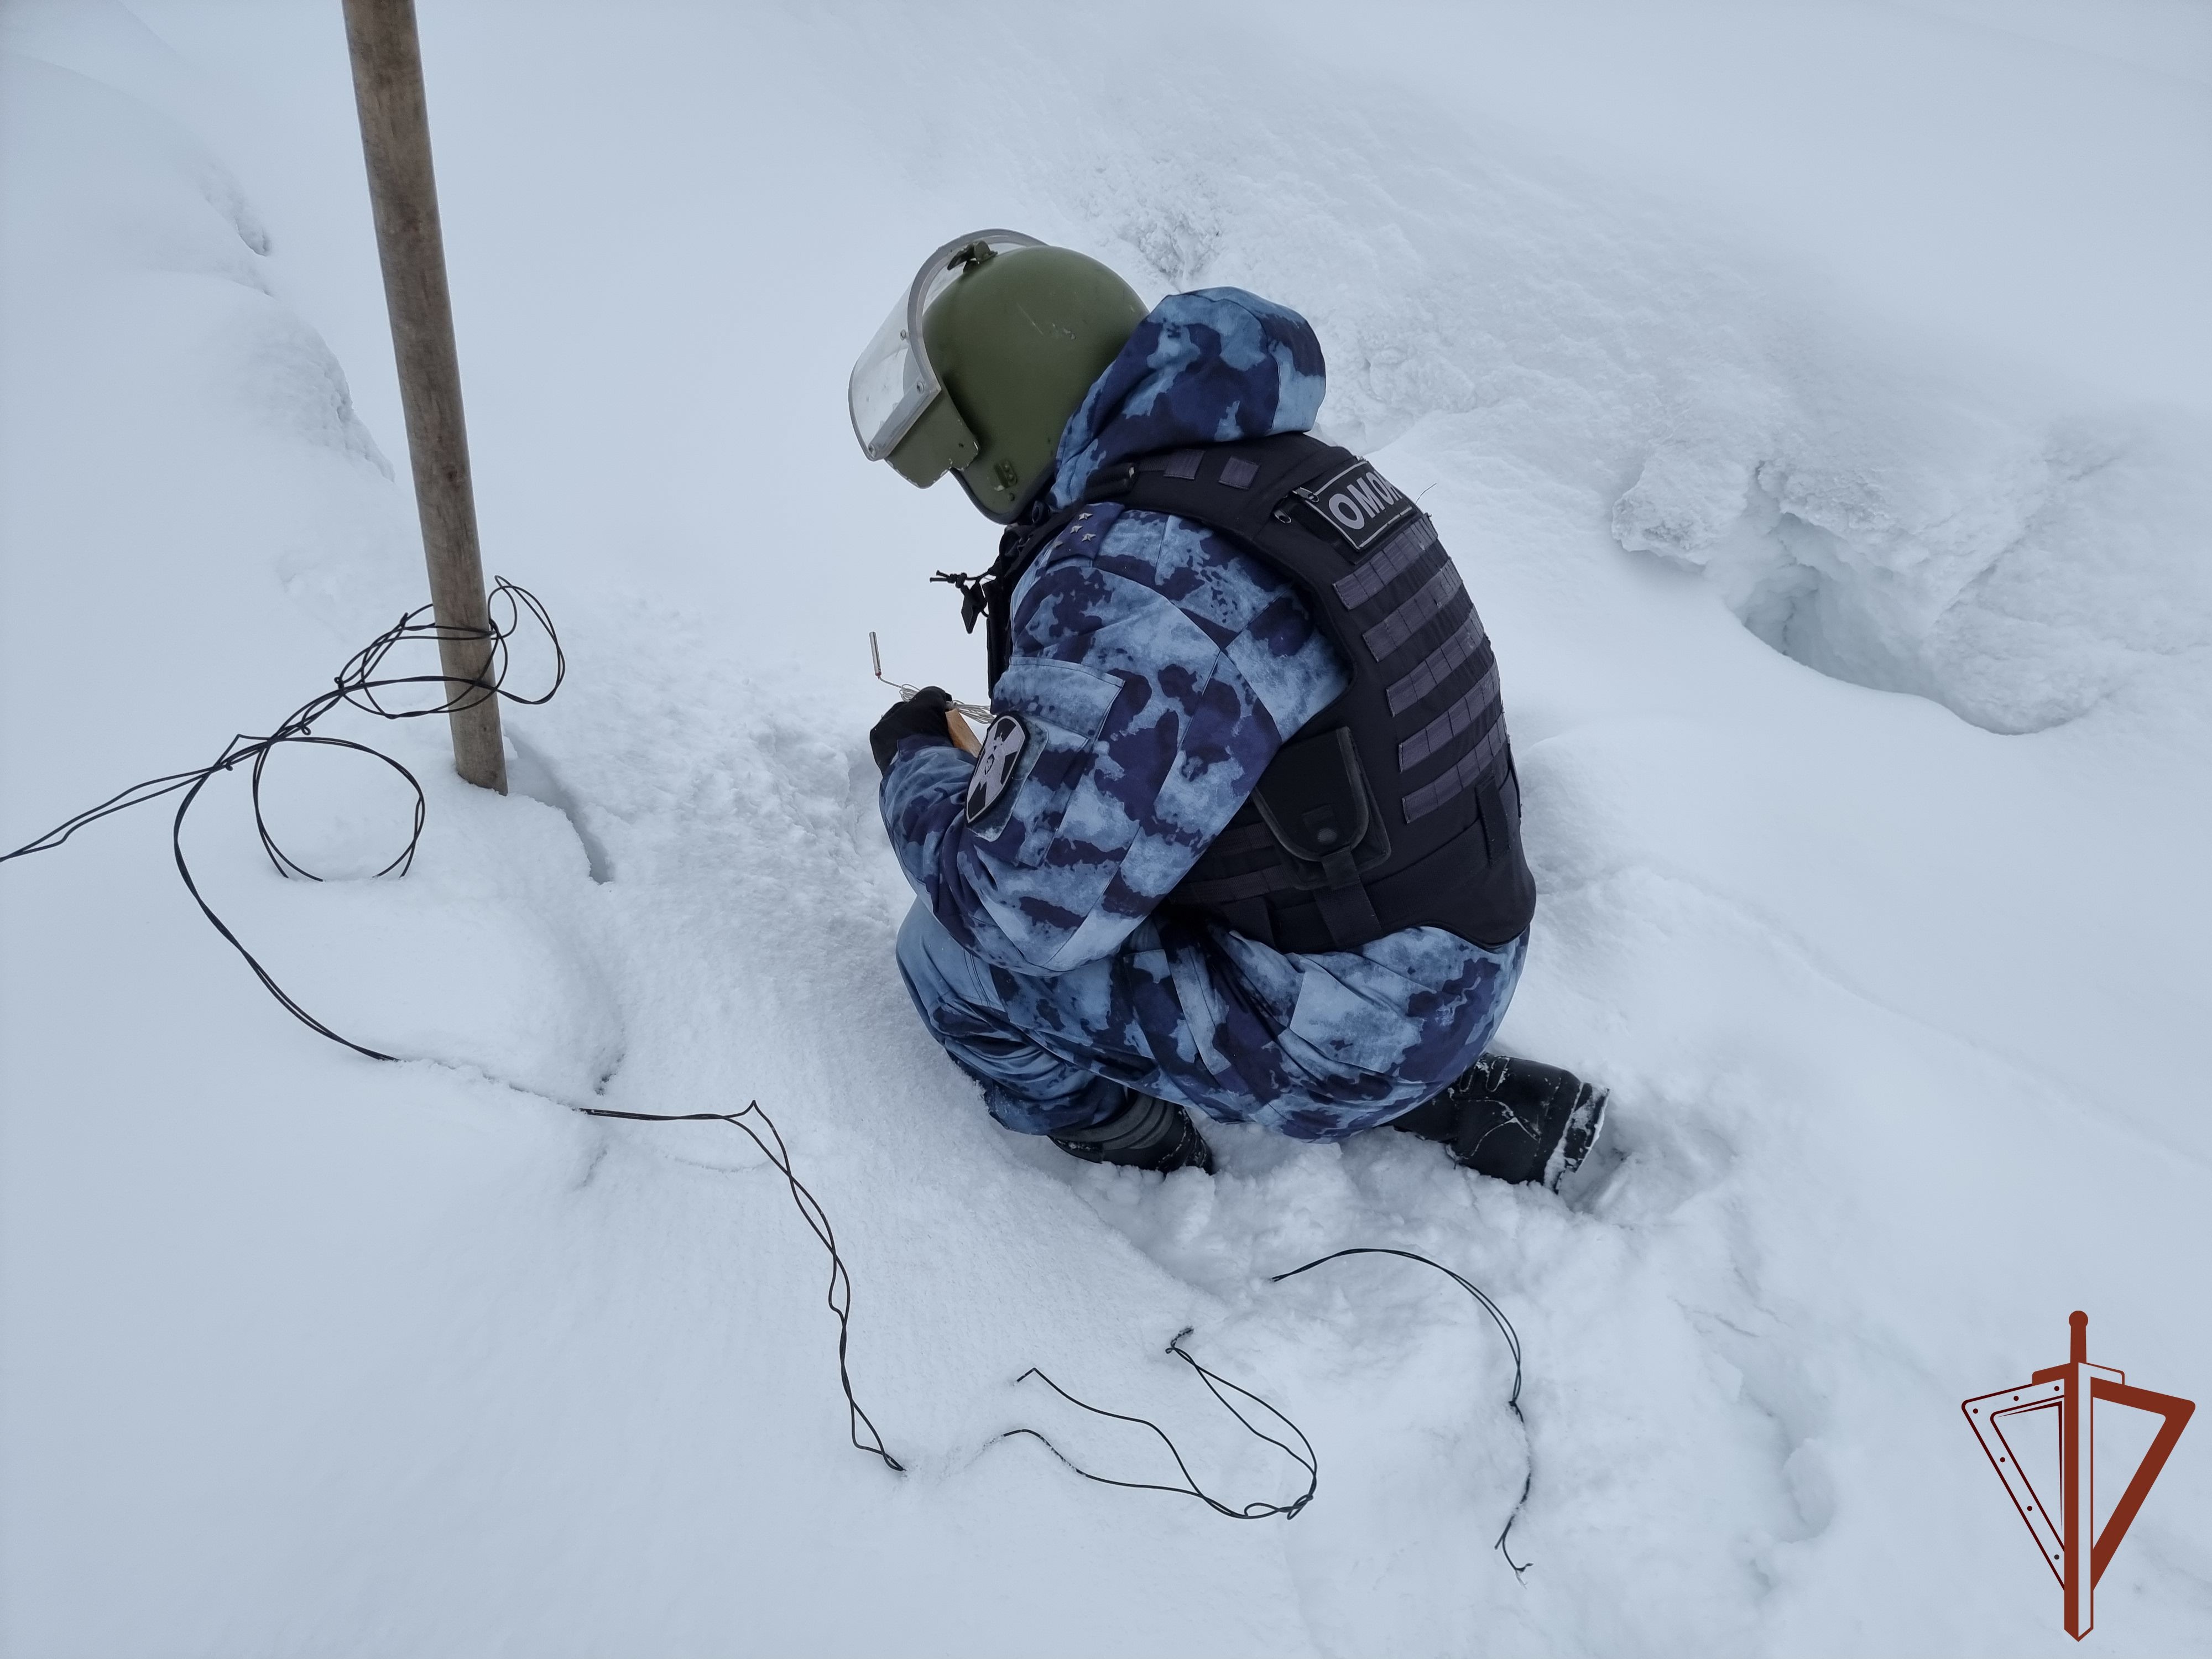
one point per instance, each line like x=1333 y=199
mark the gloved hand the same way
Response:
x=921 y=715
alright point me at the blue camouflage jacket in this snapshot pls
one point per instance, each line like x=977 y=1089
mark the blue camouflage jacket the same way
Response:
x=1156 y=669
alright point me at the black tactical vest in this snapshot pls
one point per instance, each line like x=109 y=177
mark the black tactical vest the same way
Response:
x=1396 y=806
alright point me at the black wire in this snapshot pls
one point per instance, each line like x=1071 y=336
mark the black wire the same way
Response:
x=1512 y=1342
x=359 y=684
x=1504 y=1325
x=364 y=684
x=1190 y=1488
x=1262 y=1510
x=811 y=1210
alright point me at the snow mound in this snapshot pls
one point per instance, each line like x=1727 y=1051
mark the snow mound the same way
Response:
x=2017 y=573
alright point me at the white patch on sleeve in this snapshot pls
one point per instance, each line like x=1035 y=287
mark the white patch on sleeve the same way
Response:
x=994 y=766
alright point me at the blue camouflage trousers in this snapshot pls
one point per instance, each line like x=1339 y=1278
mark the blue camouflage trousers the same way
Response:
x=1316 y=1046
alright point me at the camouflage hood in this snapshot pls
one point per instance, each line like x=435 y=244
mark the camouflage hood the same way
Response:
x=1209 y=366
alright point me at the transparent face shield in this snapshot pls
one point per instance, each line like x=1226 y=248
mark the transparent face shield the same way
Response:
x=893 y=385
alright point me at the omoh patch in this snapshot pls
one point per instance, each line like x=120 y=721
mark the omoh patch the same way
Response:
x=994 y=766
x=1358 y=504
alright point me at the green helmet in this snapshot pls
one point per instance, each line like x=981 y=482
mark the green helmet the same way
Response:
x=978 y=368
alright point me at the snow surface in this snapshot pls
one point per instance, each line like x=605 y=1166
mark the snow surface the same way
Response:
x=1814 y=398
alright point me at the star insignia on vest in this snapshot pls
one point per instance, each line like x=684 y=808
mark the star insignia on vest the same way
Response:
x=994 y=766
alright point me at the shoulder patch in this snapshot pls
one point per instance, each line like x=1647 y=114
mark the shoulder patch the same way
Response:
x=1358 y=505
x=994 y=766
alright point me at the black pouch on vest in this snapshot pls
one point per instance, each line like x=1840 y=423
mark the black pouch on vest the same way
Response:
x=1315 y=800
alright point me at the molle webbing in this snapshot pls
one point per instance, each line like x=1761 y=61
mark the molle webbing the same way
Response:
x=1480 y=703
x=1383 y=639
x=1466 y=774
x=1396 y=558
x=1412 y=764
x=1403 y=602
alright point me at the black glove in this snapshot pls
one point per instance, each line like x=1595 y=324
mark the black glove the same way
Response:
x=921 y=715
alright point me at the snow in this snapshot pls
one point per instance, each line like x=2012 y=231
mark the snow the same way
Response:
x=1814 y=396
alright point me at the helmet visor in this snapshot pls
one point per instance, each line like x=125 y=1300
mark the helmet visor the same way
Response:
x=893 y=384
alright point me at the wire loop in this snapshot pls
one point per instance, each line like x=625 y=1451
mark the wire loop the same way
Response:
x=1305 y=1458
x=360 y=684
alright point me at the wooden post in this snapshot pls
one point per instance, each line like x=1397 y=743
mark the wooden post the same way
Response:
x=395 y=138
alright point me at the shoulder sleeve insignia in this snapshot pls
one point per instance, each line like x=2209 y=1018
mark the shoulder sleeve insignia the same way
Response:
x=994 y=766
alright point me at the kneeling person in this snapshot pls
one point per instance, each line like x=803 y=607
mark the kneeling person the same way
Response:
x=1244 y=832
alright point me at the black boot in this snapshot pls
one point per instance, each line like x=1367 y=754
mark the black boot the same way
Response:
x=1513 y=1120
x=1147 y=1134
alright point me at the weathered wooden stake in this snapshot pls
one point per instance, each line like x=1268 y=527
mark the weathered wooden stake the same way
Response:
x=395 y=138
